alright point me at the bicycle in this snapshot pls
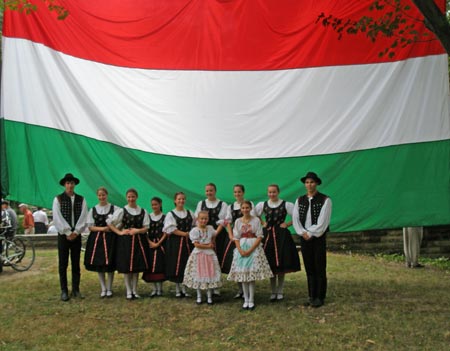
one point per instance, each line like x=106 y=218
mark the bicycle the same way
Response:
x=18 y=252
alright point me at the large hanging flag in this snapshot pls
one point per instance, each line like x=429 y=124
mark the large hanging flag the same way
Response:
x=168 y=96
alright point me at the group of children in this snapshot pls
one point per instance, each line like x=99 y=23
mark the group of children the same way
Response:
x=193 y=249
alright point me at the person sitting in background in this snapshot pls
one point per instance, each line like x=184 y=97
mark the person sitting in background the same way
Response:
x=40 y=221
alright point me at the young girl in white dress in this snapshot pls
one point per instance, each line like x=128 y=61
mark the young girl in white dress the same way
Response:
x=249 y=261
x=131 y=225
x=233 y=213
x=202 y=269
x=100 y=246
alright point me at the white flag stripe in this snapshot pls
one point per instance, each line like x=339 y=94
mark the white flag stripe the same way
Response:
x=229 y=114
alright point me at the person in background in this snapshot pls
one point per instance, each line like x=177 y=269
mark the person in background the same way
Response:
x=12 y=219
x=28 y=221
x=69 y=215
x=412 y=238
x=311 y=220
x=40 y=221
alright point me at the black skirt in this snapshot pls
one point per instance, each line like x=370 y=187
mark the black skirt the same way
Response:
x=156 y=260
x=132 y=253
x=100 y=252
x=224 y=251
x=178 y=249
x=280 y=250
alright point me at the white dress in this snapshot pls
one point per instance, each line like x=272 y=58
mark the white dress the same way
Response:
x=202 y=268
x=255 y=266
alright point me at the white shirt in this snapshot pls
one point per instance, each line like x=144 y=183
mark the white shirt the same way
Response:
x=323 y=221
x=101 y=210
x=170 y=224
x=156 y=218
x=40 y=216
x=200 y=236
x=260 y=206
x=116 y=219
x=61 y=224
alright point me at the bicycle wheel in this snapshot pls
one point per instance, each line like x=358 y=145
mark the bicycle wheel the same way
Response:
x=20 y=253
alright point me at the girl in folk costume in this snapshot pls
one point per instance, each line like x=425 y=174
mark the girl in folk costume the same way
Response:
x=278 y=243
x=217 y=211
x=177 y=225
x=249 y=261
x=202 y=269
x=100 y=245
x=156 y=238
x=233 y=213
x=131 y=225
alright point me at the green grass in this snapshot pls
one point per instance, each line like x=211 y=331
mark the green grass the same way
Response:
x=373 y=304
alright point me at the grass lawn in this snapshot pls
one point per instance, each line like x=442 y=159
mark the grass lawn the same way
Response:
x=372 y=304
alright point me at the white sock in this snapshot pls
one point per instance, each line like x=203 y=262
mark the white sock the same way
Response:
x=199 y=294
x=240 y=288
x=177 y=288
x=134 y=282
x=155 y=287
x=245 y=289
x=127 y=279
x=273 y=284
x=251 y=292
x=159 y=287
x=209 y=294
x=280 y=283
x=101 y=278
x=110 y=280
x=183 y=289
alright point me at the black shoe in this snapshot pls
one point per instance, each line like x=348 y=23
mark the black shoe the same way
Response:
x=273 y=298
x=64 y=296
x=307 y=303
x=210 y=302
x=77 y=295
x=317 y=303
x=418 y=266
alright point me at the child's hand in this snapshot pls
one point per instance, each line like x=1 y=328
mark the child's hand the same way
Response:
x=283 y=225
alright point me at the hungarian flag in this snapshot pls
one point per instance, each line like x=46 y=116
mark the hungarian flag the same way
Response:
x=167 y=96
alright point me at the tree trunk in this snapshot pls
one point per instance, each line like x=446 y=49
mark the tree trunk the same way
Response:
x=436 y=21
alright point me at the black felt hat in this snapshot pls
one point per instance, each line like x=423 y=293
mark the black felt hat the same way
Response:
x=69 y=178
x=313 y=176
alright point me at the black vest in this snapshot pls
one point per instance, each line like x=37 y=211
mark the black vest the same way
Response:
x=183 y=224
x=155 y=229
x=100 y=220
x=316 y=205
x=66 y=208
x=213 y=213
x=130 y=221
x=235 y=214
x=275 y=216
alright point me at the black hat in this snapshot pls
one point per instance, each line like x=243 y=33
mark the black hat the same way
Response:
x=313 y=176
x=68 y=178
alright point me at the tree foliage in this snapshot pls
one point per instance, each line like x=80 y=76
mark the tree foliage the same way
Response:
x=394 y=19
x=27 y=6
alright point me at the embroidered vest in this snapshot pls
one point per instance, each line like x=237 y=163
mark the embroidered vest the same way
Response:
x=235 y=214
x=156 y=227
x=213 y=213
x=316 y=205
x=100 y=220
x=275 y=216
x=66 y=208
x=130 y=221
x=183 y=224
